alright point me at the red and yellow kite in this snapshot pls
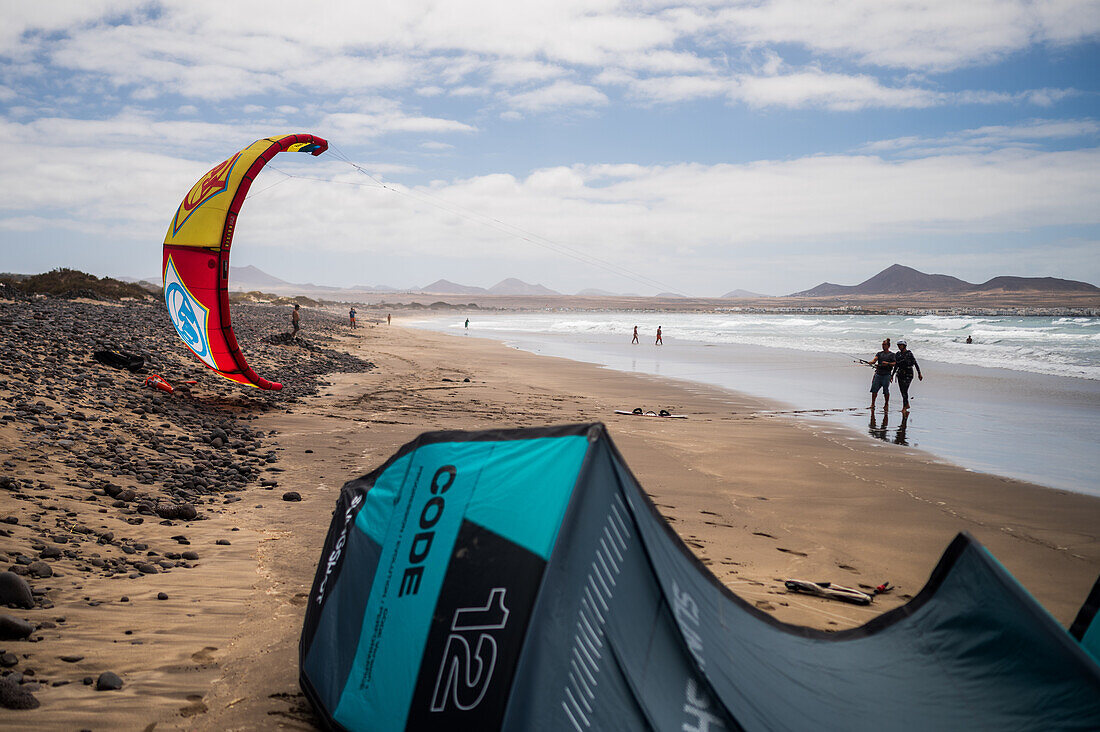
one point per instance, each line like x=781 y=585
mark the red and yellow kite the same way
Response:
x=196 y=256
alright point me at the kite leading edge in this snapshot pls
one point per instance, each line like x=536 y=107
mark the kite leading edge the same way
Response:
x=195 y=266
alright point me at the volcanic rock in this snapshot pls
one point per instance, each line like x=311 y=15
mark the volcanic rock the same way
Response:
x=12 y=628
x=14 y=591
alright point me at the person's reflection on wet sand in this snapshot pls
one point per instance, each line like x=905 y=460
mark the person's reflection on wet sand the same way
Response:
x=899 y=438
x=879 y=432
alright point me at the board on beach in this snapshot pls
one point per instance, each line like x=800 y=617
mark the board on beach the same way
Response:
x=650 y=414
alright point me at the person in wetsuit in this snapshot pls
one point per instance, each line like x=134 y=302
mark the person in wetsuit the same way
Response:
x=883 y=362
x=904 y=363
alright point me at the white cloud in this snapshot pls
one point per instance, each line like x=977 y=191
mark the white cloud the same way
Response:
x=991 y=137
x=510 y=71
x=811 y=87
x=923 y=34
x=672 y=89
x=816 y=88
x=351 y=124
x=560 y=94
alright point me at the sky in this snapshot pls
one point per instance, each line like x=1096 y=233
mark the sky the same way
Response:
x=694 y=147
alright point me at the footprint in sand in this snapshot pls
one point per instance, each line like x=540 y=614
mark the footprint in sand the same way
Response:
x=792 y=551
x=761 y=533
x=765 y=605
x=300 y=599
x=848 y=568
x=206 y=655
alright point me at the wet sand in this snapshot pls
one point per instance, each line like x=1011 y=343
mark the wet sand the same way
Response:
x=758 y=498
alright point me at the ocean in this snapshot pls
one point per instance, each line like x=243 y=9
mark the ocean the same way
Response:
x=1022 y=400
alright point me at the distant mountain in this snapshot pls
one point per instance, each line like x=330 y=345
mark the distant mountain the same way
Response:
x=375 y=288
x=593 y=292
x=742 y=293
x=252 y=278
x=670 y=295
x=895 y=279
x=446 y=287
x=1034 y=284
x=512 y=286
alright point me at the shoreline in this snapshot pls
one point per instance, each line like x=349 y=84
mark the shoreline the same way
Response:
x=758 y=499
x=1023 y=425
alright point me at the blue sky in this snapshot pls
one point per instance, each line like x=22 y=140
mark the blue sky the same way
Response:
x=694 y=146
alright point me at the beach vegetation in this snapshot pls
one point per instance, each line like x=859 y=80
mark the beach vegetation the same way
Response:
x=71 y=283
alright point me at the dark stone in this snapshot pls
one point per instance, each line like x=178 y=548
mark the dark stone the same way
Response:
x=147 y=568
x=292 y=496
x=167 y=510
x=8 y=659
x=14 y=591
x=40 y=569
x=190 y=555
x=222 y=542
x=13 y=696
x=162 y=595
x=71 y=659
x=12 y=628
x=108 y=681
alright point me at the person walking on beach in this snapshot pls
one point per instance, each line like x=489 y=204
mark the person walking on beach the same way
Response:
x=387 y=318
x=904 y=363
x=351 y=317
x=658 y=342
x=467 y=323
x=294 y=320
x=883 y=363
x=635 y=335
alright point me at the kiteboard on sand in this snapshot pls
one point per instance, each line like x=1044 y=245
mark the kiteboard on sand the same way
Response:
x=829 y=590
x=639 y=413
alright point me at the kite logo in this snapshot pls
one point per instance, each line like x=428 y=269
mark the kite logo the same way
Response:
x=337 y=550
x=697 y=705
x=210 y=185
x=458 y=682
x=188 y=314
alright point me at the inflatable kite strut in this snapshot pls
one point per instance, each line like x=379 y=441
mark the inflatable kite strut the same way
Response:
x=522 y=580
x=196 y=256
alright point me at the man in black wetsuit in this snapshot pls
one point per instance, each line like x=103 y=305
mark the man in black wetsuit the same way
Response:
x=904 y=363
x=884 y=373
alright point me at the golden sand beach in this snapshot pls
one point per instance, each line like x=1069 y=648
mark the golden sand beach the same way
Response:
x=758 y=499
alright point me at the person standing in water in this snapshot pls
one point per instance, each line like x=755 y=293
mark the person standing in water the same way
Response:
x=635 y=335
x=904 y=363
x=658 y=342
x=883 y=363
x=467 y=323
x=294 y=320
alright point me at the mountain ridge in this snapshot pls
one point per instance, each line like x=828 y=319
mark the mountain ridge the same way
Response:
x=898 y=279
